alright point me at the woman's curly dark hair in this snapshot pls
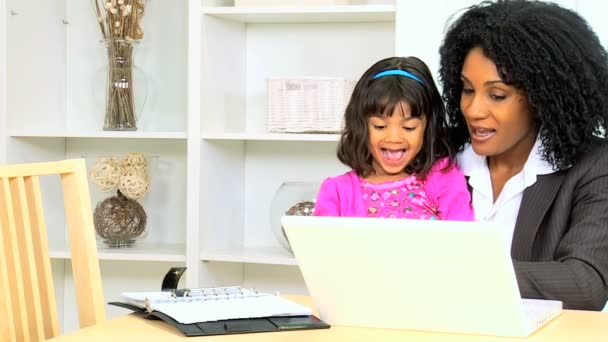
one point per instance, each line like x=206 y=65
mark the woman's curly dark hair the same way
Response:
x=380 y=97
x=548 y=52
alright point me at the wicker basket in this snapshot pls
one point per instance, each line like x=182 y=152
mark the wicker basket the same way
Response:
x=307 y=105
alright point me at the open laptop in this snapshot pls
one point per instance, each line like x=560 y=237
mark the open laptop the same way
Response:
x=443 y=276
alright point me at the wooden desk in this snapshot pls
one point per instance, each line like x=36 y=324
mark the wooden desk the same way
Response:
x=569 y=326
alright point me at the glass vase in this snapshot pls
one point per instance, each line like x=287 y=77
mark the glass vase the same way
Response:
x=122 y=80
x=120 y=188
x=291 y=198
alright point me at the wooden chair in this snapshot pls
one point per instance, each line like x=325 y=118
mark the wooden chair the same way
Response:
x=28 y=310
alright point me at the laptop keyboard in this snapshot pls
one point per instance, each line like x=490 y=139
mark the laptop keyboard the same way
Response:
x=539 y=312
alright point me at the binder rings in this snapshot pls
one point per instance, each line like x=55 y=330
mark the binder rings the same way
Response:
x=220 y=310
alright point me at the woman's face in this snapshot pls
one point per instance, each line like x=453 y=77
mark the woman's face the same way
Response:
x=498 y=117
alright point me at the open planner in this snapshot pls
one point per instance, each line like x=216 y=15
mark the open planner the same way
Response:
x=221 y=310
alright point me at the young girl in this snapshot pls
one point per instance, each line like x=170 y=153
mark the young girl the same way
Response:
x=395 y=141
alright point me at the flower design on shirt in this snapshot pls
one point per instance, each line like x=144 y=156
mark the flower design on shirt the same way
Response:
x=374 y=196
x=413 y=184
x=418 y=200
x=410 y=180
x=403 y=198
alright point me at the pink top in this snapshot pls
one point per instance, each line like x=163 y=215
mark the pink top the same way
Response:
x=405 y=198
x=443 y=194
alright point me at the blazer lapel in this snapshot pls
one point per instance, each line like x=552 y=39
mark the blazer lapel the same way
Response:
x=534 y=205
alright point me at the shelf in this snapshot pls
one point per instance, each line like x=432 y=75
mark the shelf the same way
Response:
x=150 y=252
x=254 y=255
x=271 y=136
x=98 y=134
x=304 y=14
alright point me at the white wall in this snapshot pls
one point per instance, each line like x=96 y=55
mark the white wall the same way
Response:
x=2 y=82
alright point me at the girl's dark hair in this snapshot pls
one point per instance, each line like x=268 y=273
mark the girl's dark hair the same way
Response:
x=549 y=53
x=380 y=97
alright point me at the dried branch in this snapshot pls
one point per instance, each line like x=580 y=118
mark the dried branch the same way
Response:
x=120 y=19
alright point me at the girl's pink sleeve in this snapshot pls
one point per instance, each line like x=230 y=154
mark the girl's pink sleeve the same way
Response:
x=328 y=203
x=449 y=188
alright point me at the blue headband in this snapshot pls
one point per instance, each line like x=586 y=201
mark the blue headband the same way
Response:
x=398 y=73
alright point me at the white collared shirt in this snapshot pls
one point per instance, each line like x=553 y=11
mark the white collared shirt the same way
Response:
x=506 y=207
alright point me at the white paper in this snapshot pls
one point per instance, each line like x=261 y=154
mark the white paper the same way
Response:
x=215 y=308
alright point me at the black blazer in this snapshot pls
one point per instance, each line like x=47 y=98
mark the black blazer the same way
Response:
x=560 y=243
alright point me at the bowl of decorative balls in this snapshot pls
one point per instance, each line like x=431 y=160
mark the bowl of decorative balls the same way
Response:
x=120 y=220
x=293 y=199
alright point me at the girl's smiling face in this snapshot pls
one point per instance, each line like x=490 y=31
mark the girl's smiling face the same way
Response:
x=394 y=141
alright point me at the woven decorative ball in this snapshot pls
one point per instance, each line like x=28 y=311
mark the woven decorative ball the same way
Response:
x=304 y=208
x=119 y=221
x=105 y=174
x=136 y=173
x=135 y=161
x=134 y=184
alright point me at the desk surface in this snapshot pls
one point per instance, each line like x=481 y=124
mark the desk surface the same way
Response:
x=570 y=326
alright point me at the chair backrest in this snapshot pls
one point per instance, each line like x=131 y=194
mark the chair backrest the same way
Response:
x=28 y=309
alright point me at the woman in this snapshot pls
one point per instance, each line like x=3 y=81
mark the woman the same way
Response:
x=526 y=85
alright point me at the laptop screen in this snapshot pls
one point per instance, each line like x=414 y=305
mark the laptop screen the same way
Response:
x=408 y=274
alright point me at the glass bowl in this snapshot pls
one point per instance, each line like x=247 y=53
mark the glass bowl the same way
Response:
x=291 y=198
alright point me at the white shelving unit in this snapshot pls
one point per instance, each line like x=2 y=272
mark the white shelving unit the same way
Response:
x=146 y=252
x=216 y=169
x=52 y=107
x=232 y=51
x=272 y=255
x=303 y=14
x=97 y=134
x=270 y=137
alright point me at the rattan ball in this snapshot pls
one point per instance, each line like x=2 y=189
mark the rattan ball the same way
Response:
x=134 y=184
x=119 y=220
x=136 y=173
x=304 y=208
x=135 y=161
x=105 y=174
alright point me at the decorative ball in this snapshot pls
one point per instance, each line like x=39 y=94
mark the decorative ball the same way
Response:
x=305 y=208
x=119 y=220
x=134 y=184
x=105 y=174
x=135 y=161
